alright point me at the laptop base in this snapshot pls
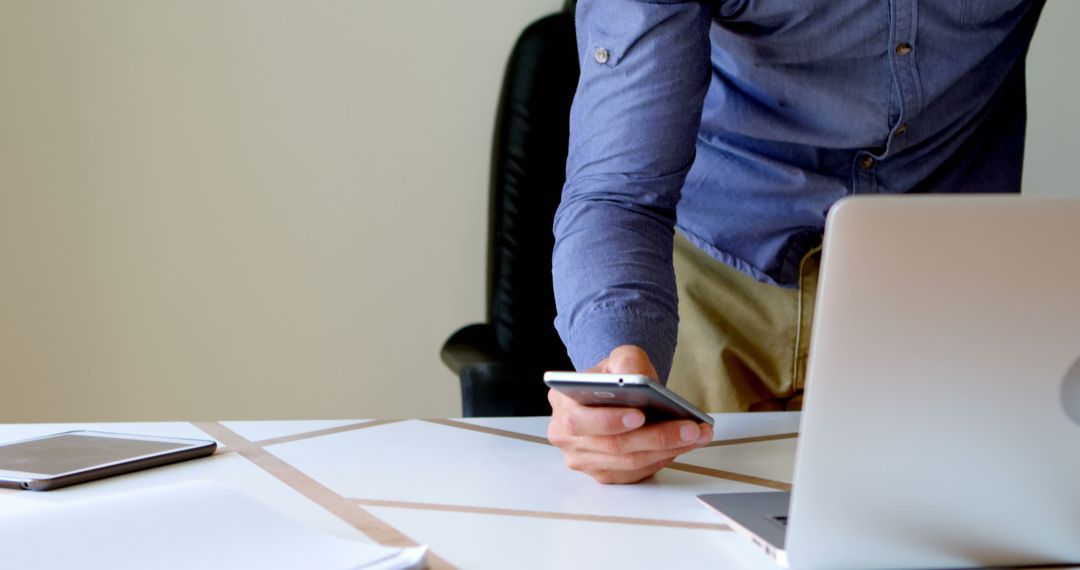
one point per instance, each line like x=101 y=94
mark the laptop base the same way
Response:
x=762 y=517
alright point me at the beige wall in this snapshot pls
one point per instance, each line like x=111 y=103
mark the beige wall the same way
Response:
x=273 y=209
x=242 y=208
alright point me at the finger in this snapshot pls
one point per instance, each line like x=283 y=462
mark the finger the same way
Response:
x=558 y=400
x=661 y=436
x=628 y=477
x=571 y=418
x=592 y=462
x=575 y=420
x=594 y=421
x=571 y=421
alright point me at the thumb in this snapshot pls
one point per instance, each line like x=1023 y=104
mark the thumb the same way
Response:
x=629 y=359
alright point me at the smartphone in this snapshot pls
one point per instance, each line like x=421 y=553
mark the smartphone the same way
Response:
x=63 y=459
x=627 y=391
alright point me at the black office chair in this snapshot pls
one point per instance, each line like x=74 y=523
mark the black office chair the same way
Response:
x=500 y=363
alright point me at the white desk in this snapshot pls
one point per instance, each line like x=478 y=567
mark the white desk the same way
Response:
x=482 y=493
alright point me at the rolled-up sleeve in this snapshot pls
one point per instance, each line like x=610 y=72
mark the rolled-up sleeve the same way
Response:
x=633 y=127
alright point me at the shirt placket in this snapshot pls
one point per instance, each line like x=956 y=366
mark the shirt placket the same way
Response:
x=903 y=18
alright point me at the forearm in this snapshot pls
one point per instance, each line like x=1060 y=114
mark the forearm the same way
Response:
x=633 y=127
x=614 y=282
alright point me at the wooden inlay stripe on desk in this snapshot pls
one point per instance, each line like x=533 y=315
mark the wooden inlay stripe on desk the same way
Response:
x=543 y=440
x=731 y=476
x=491 y=431
x=539 y=514
x=707 y=471
x=316 y=492
x=755 y=439
x=322 y=432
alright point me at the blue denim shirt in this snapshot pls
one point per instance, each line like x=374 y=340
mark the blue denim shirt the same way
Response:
x=742 y=122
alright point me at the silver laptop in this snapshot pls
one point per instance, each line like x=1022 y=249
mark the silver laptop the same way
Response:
x=941 y=426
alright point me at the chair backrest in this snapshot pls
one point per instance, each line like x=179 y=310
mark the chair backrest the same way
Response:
x=528 y=171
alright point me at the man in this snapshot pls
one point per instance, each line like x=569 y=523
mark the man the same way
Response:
x=738 y=124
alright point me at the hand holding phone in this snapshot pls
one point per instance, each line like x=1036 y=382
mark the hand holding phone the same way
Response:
x=612 y=443
x=627 y=391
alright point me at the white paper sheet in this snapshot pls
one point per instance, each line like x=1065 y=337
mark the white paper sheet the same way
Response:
x=182 y=526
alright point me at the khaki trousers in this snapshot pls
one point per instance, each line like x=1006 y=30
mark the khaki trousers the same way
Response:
x=742 y=344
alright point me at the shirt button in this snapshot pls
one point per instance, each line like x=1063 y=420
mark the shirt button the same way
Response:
x=602 y=55
x=903 y=49
x=900 y=130
x=866 y=162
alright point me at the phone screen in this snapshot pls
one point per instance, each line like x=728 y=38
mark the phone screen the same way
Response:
x=72 y=452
